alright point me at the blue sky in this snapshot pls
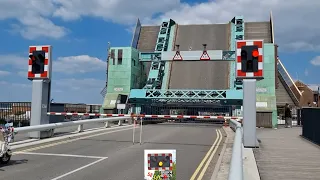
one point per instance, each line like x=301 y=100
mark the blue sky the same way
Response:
x=79 y=33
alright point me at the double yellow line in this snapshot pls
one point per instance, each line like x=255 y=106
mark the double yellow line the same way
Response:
x=208 y=158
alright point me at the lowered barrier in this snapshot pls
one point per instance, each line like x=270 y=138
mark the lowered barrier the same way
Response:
x=144 y=115
x=80 y=123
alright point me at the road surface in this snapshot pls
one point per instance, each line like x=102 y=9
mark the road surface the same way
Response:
x=111 y=155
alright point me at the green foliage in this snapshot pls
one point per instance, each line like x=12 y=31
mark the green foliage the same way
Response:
x=174 y=173
x=157 y=175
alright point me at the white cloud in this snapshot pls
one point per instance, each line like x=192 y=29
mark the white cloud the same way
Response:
x=315 y=61
x=78 y=64
x=120 y=11
x=18 y=62
x=80 y=84
x=294 y=31
x=67 y=65
x=4 y=73
x=306 y=72
x=32 y=18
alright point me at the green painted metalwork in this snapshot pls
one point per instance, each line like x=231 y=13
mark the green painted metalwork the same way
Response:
x=266 y=87
x=237 y=33
x=157 y=68
x=163 y=36
x=186 y=94
x=124 y=73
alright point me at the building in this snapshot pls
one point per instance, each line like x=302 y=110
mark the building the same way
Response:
x=310 y=94
x=142 y=73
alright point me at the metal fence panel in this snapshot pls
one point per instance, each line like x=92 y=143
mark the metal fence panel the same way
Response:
x=20 y=112
x=311 y=123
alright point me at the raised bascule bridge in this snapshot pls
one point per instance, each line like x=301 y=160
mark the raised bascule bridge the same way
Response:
x=174 y=69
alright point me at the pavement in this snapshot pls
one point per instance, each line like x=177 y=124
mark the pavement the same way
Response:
x=111 y=155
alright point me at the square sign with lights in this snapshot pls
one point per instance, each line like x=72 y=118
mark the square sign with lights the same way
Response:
x=39 y=66
x=249 y=59
x=160 y=164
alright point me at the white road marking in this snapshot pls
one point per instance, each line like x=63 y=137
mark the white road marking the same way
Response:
x=72 y=140
x=62 y=155
x=76 y=170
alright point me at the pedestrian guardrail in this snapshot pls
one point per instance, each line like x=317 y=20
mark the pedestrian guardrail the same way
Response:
x=80 y=124
x=236 y=165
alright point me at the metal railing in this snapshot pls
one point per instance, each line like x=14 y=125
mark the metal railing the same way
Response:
x=236 y=165
x=80 y=124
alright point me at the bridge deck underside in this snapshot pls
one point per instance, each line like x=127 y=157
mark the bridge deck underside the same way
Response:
x=201 y=75
x=206 y=74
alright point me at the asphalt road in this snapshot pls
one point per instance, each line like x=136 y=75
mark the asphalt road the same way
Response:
x=112 y=155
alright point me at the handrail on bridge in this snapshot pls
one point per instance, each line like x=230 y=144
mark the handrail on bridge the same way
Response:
x=236 y=165
x=66 y=124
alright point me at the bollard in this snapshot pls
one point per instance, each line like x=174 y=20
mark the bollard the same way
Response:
x=120 y=122
x=107 y=124
x=225 y=123
x=133 y=130
x=130 y=121
x=80 y=128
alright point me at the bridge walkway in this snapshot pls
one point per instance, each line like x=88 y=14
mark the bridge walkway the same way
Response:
x=285 y=155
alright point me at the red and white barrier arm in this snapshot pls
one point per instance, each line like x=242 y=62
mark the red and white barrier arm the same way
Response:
x=142 y=115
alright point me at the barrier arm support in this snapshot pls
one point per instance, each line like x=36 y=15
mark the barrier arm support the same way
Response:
x=65 y=124
x=236 y=165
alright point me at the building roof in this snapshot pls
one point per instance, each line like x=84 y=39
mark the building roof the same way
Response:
x=314 y=88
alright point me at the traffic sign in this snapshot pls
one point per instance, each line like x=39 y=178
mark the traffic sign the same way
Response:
x=177 y=56
x=205 y=56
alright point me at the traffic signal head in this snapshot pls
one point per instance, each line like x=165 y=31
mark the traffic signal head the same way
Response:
x=160 y=161
x=38 y=60
x=39 y=66
x=249 y=58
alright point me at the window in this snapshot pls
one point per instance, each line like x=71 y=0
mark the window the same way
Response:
x=120 y=52
x=134 y=62
x=112 y=57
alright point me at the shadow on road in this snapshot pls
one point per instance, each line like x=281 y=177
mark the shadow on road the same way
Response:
x=12 y=163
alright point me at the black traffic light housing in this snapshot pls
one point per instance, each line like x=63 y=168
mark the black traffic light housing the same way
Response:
x=38 y=59
x=155 y=160
x=249 y=58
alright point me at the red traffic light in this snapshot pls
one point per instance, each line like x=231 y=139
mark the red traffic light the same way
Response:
x=255 y=53
x=32 y=57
